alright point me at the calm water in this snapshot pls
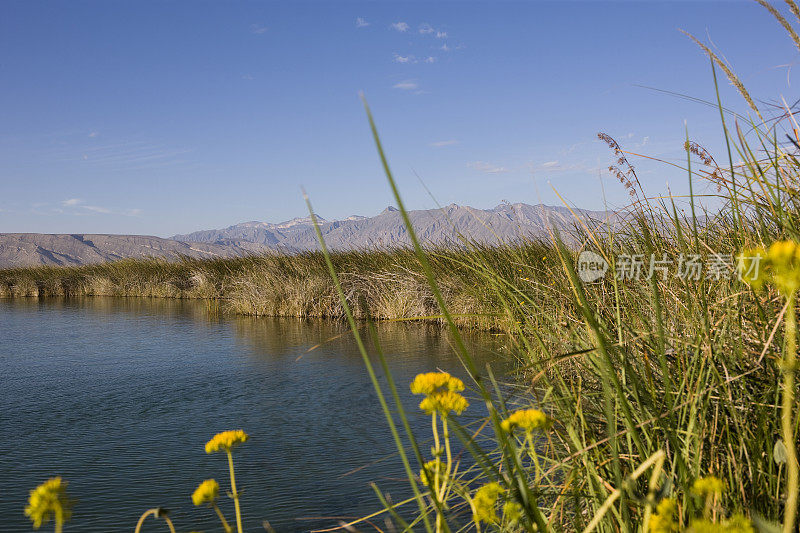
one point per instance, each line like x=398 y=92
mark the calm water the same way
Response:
x=119 y=396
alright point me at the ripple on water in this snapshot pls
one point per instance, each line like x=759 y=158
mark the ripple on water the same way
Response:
x=119 y=397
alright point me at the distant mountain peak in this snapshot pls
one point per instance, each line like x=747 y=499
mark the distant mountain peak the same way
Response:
x=505 y=222
x=299 y=221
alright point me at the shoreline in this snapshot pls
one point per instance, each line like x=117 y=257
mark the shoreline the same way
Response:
x=381 y=285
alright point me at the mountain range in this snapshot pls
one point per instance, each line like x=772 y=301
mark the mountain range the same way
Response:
x=433 y=226
x=505 y=222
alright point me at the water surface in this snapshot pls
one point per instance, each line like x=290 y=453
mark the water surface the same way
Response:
x=119 y=396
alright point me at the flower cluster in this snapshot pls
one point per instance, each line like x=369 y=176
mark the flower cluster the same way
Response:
x=48 y=499
x=206 y=492
x=436 y=470
x=512 y=511
x=441 y=393
x=485 y=503
x=735 y=524
x=663 y=520
x=527 y=420
x=779 y=265
x=434 y=382
x=444 y=402
x=708 y=486
x=226 y=440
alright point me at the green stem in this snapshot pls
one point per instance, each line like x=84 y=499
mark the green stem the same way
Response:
x=158 y=512
x=448 y=453
x=436 y=445
x=787 y=416
x=437 y=451
x=448 y=472
x=235 y=493
x=225 y=523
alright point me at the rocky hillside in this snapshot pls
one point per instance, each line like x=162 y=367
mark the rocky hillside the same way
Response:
x=34 y=249
x=436 y=226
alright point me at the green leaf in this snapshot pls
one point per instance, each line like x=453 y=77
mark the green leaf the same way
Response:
x=779 y=452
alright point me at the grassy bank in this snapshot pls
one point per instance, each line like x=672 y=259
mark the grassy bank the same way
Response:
x=380 y=284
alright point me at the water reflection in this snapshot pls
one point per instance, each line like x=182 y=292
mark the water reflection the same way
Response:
x=119 y=396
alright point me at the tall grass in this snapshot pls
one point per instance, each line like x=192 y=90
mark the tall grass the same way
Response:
x=673 y=399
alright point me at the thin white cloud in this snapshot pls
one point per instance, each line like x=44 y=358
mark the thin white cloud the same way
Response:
x=439 y=144
x=407 y=85
x=430 y=59
x=93 y=134
x=400 y=26
x=361 y=22
x=446 y=48
x=483 y=166
x=247 y=77
x=77 y=207
x=258 y=29
x=441 y=35
x=571 y=148
x=404 y=59
x=97 y=209
x=557 y=166
x=426 y=28
x=129 y=155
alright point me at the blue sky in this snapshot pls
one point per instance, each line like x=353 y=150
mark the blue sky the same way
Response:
x=168 y=117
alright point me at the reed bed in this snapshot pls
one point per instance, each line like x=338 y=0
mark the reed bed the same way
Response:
x=381 y=284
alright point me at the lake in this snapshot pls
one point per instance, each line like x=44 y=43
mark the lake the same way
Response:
x=119 y=396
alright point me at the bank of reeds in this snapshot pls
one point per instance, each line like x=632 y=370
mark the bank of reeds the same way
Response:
x=383 y=284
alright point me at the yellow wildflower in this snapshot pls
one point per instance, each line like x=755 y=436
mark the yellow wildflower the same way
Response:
x=783 y=258
x=512 y=512
x=706 y=486
x=444 y=402
x=734 y=524
x=739 y=524
x=485 y=502
x=525 y=419
x=206 y=492
x=441 y=390
x=780 y=265
x=436 y=469
x=48 y=499
x=433 y=382
x=702 y=525
x=663 y=521
x=226 y=440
